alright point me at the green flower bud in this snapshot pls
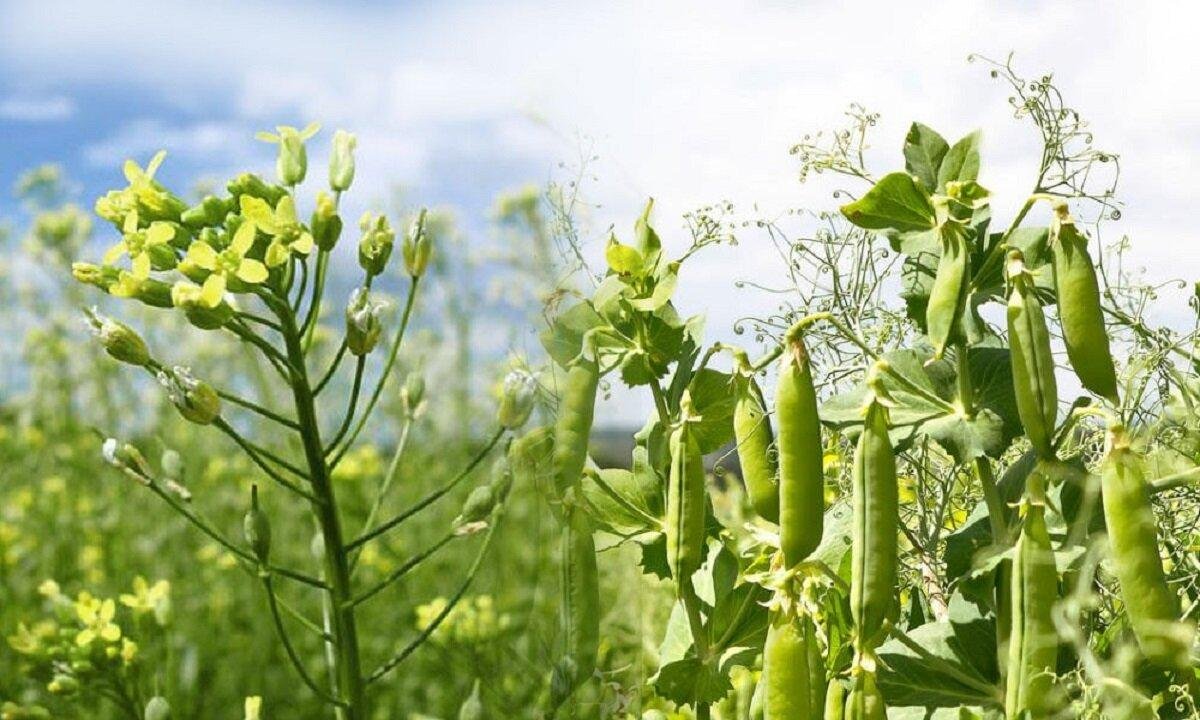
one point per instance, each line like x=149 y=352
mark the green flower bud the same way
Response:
x=362 y=322
x=257 y=528
x=63 y=685
x=341 y=162
x=476 y=507
x=254 y=186
x=119 y=340
x=416 y=247
x=292 y=162
x=210 y=212
x=172 y=464
x=195 y=399
x=157 y=709
x=326 y=223
x=412 y=395
x=101 y=276
x=375 y=247
x=125 y=456
x=502 y=478
x=189 y=298
x=516 y=399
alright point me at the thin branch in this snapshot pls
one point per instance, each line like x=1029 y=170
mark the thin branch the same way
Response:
x=408 y=566
x=291 y=651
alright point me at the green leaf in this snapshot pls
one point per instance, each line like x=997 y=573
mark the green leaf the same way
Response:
x=961 y=163
x=896 y=202
x=689 y=681
x=924 y=150
x=713 y=401
x=664 y=288
x=621 y=501
x=623 y=259
x=563 y=339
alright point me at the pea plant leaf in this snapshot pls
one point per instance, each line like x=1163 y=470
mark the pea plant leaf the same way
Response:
x=563 y=339
x=713 y=401
x=988 y=432
x=961 y=163
x=621 y=501
x=924 y=150
x=896 y=202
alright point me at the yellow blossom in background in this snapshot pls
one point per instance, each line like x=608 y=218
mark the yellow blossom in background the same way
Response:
x=147 y=598
x=253 y=708
x=96 y=615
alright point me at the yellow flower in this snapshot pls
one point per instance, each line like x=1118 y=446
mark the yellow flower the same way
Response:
x=49 y=589
x=287 y=234
x=147 y=598
x=142 y=245
x=254 y=708
x=25 y=641
x=129 y=651
x=230 y=264
x=96 y=615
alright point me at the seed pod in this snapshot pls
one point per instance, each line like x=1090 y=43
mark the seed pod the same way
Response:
x=801 y=469
x=341 y=161
x=1033 y=640
x=865 y=702
x=189 y=297
x=573 y=427
x=794 y=674
x=580 y=615
x=209 y=212
x=375 y=247
x=412 y=395
x=257 y=528
x=326 y=223
x=516 y=399
x=1079 y=312
x=118 y=339
x=876 y=523
x=686 y=496
x=157 y=709
x=1032 y=362
x=948 y=296
x=362 y=322
x=835 y=701
x=1152 y=607
x=196 y=400
x=752 y=431
x=477 y=506
x=417 y=247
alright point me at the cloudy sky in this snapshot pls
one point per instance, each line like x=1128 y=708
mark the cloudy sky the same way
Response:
x=687 y=102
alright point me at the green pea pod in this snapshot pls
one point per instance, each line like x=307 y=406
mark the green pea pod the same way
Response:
x=1079 y=311
x=686 y=497
x=795 y=689
x=875 y=527
x=865 y=702
x=532 y=459
x=801 y=471
x=758 y=703
x=1152 y=607
x=835 y=701
x=948 y=296
x=580 y=615
x=574 y=424
x=1032 y=363
x=1033 y=641
x=752 y=431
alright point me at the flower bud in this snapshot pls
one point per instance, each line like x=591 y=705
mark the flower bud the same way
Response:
x=196 y=400
x=189 y=297
x=254 y=186
x=362 y=322
x=63 y=685
x=502 y=478
x=341 y=162
x=257 y=528
x=171 y=463
x=476 y=507
x=375 y=247
x=292 y=162
x=326 y=223
x=101 y=276
x=157 y=709
x=119 y=340
x=413 y=394
x=210 y=212
x=516 y=400
x=125 y=456
x=416 y=247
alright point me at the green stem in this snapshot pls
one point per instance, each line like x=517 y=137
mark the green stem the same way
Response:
x=333 y=366
x=255 y=407
x=385 y=486
x=408 y=566
x=291 y=651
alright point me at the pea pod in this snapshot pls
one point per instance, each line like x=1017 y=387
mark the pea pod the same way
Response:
x=835 y=701
x=1152 y=607
x=752 y=431
x=1033 y=641
x=1079 y=311
x=948 y=296
x=574 y=424
x=1032 y=363
x=793 y=670
x=801 y=472
x=686 y=497
x=876 y=523
x=580 y=614
x=865 y=702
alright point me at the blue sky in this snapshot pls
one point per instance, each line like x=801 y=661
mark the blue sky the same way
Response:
x=689 y=102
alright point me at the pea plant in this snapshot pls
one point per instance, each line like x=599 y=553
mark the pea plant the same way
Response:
x=987 y=550
x=245 y=266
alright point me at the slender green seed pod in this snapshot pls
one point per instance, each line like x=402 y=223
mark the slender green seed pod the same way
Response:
x=1152 y=607
x=532 y=457
x=835 y=701
x=580 y=615
x=948 y=296
x=795 y=688
x=865 y=702
x=1079 y=311
x=752 y=430
x=574 y=424
x=257 y=528
x=686 y=496
x=801 y=470
x=875 y=527
x=1033 y=640
x=1032 y=362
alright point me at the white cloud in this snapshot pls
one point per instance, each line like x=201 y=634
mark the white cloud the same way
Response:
x=37 y=109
